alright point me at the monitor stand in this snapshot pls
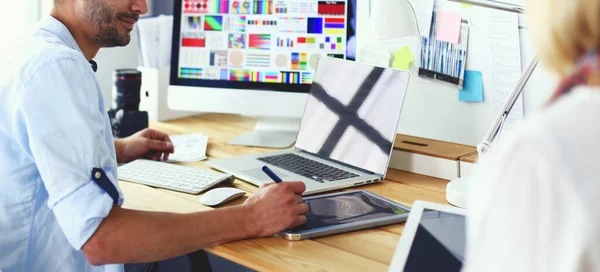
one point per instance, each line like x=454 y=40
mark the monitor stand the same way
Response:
x=272 y=132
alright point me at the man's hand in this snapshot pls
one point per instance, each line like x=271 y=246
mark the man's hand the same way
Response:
x=276 y=207
x=148 y=143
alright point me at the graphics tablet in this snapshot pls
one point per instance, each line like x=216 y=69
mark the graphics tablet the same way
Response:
x=433 y=239
x=347 y=211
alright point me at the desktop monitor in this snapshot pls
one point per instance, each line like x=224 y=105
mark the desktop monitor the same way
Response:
x=256 y=58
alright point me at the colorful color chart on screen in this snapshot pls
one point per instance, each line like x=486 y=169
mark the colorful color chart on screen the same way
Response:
x=269 y=41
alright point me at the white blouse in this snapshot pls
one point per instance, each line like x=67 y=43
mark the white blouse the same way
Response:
x=534 y=203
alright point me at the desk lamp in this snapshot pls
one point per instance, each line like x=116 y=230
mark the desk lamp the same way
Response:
x=456 y=189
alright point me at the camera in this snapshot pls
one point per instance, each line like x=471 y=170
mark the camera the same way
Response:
x=125 y=117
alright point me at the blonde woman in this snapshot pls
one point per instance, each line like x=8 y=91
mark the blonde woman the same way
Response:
x=535 y=203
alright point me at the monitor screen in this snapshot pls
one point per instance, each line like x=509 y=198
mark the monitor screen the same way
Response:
x=258 y=44
x=352 y=113
x=441 y=235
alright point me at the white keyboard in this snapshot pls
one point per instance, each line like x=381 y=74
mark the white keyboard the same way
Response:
x=169 y=176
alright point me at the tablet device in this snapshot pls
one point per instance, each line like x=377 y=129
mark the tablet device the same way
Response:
x=433 y=239
x=347 y=211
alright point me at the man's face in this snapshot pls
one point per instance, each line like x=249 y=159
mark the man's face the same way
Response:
x=112 y=21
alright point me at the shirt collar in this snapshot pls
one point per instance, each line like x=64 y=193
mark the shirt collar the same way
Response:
x=57 y=28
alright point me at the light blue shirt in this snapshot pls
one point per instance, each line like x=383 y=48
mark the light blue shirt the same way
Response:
x=54 y=131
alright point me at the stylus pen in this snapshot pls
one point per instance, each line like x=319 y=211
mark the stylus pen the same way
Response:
x=271 y=174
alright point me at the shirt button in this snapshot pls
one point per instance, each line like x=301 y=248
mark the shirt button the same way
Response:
x=98 y=175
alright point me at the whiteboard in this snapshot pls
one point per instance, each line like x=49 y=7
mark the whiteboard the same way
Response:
x=432 y=110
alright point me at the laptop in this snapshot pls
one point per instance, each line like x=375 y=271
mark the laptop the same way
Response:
x=346 y=134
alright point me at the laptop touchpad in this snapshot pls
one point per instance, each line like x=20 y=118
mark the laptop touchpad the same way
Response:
x=258 y=175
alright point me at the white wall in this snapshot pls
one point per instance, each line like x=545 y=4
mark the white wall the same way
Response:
x=16 y=17
x=432 y=110
x=46 y=6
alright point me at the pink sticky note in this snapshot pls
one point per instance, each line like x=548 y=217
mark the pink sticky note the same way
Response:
x=448 y=26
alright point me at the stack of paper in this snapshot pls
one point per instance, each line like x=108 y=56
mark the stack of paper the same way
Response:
x=189 y=147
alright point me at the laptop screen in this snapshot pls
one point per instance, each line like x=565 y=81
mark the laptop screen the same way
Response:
x=352 y=113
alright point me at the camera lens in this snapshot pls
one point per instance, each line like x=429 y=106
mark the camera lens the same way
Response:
x=126 y=92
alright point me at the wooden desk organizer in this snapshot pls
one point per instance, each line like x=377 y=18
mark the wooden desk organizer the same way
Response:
x=467 y=164
x=429 y=157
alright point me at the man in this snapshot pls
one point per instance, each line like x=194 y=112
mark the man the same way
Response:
x=59 y=198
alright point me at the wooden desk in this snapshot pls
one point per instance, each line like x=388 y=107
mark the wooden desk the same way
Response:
x=472 y=158
x=366 y=250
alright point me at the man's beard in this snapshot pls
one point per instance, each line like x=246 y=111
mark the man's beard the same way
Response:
x=102 y=16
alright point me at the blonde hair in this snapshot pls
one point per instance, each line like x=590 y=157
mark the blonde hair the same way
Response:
x=564 y=30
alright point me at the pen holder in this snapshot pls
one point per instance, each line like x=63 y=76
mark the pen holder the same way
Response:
x=153 y=98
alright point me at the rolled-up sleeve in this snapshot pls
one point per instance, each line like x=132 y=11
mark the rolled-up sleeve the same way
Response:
x=69 y=139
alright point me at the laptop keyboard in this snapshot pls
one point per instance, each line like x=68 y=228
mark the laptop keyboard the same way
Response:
x=307 y=168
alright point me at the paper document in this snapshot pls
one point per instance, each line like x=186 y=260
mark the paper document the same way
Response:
x=155 y=36
x=148 y=41
x=189 y=147
x=423 y=11
x=505 y=55
x=375 y=55
x=165 y=41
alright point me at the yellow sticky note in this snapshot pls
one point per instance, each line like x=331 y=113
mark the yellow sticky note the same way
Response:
x=466 y=6
x=403 y=58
